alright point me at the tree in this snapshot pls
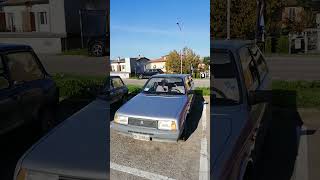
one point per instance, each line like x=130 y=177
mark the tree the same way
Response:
x=189 y=57
x=305 y=19
x=243 y=18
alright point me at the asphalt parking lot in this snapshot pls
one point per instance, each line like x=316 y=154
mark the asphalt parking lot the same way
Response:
x=134 y=159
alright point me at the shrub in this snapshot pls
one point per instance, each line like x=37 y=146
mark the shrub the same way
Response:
x=71 y=86
x=282 y=45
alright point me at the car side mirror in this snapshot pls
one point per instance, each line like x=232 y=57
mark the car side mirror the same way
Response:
x=259 y=96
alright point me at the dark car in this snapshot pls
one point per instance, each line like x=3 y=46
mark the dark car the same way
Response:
x=150 y=72
x=117 y=92
x=97 y=46
x=239 y=116
x=27 y=92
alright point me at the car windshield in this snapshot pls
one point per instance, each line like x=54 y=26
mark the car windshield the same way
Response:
x=164 y=86
x=225 y=89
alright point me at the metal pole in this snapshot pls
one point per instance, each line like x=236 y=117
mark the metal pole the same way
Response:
x=181 y=50
x=82 y=43
x=228 y=18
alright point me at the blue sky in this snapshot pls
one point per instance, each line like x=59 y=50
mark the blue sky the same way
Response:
x=148 y=27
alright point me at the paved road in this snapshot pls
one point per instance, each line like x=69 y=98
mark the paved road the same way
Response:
x=80 y=65
x=283 y=68
x=134 y=159
x=295 y=67
x=141 y=82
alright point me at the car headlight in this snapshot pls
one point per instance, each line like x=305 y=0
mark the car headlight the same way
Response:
x=33 y=175
x=167 y=125
x=120 y=119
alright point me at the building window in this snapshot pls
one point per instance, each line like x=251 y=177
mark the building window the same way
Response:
x=292 y=13
x=43 y=18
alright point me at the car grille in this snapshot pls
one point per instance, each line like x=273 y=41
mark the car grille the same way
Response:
x=143 y=122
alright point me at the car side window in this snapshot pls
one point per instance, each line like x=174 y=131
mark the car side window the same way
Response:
x=117 y=83
x=23 y=67
x=4 y=83
x=249 y=69
x=260 y=61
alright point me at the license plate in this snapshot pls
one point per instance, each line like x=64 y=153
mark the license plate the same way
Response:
x=141 y=137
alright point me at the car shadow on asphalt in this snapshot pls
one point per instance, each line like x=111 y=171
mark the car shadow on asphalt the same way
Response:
x=194 y=117
x=280 y=148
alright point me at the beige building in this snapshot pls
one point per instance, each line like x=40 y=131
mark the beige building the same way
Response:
x=158 y=64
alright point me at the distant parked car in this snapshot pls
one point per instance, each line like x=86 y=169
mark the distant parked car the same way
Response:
x=27 y=92
x=76 y=149
x=159 y=112
x=150 y=72
x=97 y=46
x=117 y=91
x=239 y=119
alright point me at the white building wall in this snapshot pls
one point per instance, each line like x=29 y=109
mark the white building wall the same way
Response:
x=17 y=14
x=57 y=16
x=41 y=8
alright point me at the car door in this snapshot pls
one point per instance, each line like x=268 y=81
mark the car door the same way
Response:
x=26 y=75
x=9 y=103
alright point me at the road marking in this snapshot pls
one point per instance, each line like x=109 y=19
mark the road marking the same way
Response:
x=301 y=165
x=204 y=158
x=137 y=172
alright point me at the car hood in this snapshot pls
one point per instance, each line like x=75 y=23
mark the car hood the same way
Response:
x=154 y=106
x=76 y=148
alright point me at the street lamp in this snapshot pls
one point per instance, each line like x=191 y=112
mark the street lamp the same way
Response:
x=180 y=50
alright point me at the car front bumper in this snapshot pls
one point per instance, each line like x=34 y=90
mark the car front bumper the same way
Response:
x=155 y=134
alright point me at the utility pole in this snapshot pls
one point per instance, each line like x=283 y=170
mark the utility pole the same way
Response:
x=228 y=18
x=181 y=50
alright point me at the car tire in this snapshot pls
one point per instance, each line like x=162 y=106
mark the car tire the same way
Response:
x=97 y=49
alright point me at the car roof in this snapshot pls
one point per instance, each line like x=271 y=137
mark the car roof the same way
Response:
x=171 y=75
x=230 y=44
x=13 y=47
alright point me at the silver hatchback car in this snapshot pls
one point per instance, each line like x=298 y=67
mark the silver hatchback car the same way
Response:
x=159 y=111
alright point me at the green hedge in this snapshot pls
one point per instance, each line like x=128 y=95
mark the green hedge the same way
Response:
x=71 y=86
x=282 y=45
x=296 y=94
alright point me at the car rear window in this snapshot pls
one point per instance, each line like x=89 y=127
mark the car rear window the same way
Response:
x=117 y=82
x=23 y=67
x=225 y=79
